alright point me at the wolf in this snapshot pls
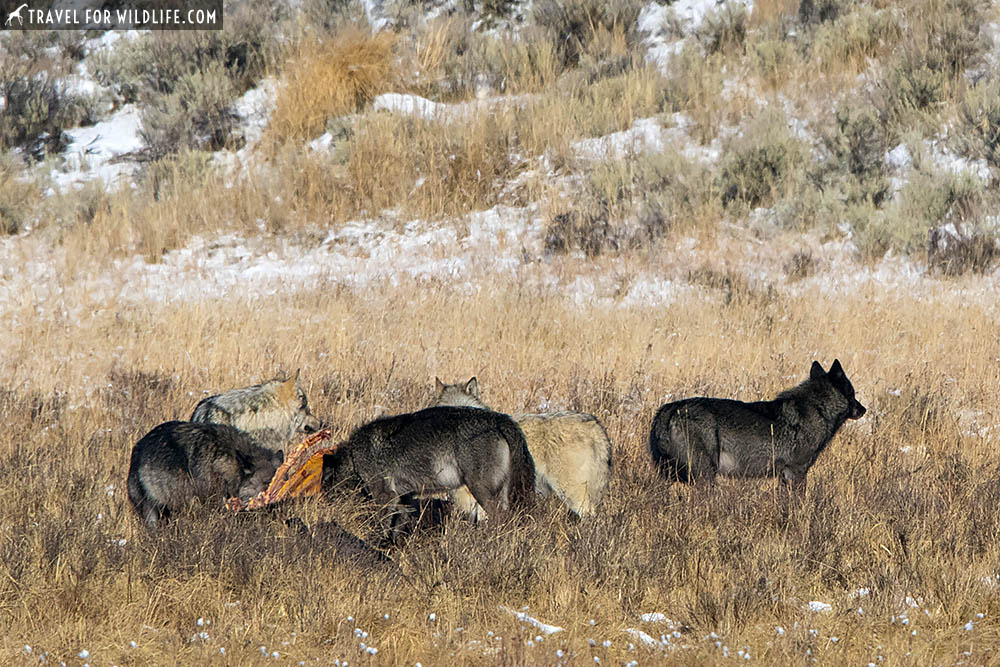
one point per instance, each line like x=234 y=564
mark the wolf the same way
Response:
x=274 y=413
x=571 y=450
x=698 y=438
x=178 y=462
x=436 y=450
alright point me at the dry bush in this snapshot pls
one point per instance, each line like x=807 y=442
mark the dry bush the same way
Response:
x=431 y=167
x=333 y=77
x=17 y=198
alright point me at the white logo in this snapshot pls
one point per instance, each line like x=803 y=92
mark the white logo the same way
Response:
x=16 y=14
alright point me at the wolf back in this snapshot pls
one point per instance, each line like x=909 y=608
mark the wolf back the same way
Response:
x=436 y=450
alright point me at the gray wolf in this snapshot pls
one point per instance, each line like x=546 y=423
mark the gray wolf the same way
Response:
x=698 y=438
x=274 y=413
x=178 y=462
x=436 y=450
x=571 y=450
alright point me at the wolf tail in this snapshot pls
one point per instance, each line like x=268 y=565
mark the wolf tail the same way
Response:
x=522 y=466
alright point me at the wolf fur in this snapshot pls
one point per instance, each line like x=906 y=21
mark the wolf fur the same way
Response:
x=698 y=438
x=437 y=450
x=274 y=413
x=571 y=451
x=178 y=462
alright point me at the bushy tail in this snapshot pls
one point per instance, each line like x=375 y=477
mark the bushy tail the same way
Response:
x=522 y=466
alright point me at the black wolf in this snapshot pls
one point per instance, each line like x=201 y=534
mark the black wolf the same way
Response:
x=437 y=450
x=178 y=462
x=698 y=438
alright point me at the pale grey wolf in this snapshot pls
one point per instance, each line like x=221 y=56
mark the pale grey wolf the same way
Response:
x=435 y=450
x=698 y=438
x=178 y=462
x=571 y=450
x=274 y=413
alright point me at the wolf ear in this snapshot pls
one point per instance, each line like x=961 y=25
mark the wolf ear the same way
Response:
x=472 y=386
x=438 y=385
x=836 y=370
x=298 y=371
x=816 y=371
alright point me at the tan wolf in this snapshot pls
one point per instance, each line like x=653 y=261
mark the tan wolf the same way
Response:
x=274 y=413
x=571 y=451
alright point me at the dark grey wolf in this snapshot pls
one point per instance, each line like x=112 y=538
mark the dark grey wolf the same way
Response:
x=178 y=462
x=697 y=438
x=436 y=450
x=274 y=413
x=571 y=450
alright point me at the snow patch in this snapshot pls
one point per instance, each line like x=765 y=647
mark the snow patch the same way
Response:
x=544 y=628
x=93 y=151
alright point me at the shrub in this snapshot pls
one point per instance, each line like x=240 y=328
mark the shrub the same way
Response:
x=628 y=204
x=819 y=11
x=331 y=78
x=195 y=115
x=155 y=63
x=573 y=24
x=857 y=147
x=926 y=201
x=758 y=163
x=36 y=109
x=978 y=132
x=724 y=29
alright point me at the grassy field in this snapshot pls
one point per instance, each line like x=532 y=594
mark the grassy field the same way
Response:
x=902 y=503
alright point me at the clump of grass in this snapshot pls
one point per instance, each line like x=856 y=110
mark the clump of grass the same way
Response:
x=849 y=34
x=17 y=197
x=429 y=167
x=334 y=77
x=694 y=86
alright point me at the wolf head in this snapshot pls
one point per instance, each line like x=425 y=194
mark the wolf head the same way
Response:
x=839 y=380
x=459 y=394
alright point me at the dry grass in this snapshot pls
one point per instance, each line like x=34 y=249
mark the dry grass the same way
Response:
x=330 y=78
x=735 y=560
